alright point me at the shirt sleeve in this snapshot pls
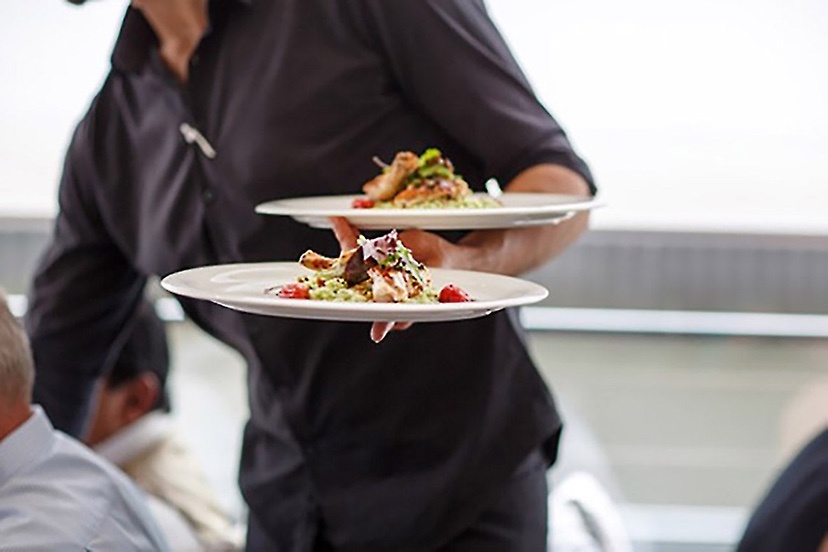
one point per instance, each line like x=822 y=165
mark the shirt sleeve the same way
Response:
x=81 y=299
x=131 y=527
x=452 y=63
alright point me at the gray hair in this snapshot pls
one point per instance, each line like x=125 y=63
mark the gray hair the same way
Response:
x=16 y=365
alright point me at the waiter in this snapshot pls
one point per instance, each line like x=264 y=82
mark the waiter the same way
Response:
x=434 y=438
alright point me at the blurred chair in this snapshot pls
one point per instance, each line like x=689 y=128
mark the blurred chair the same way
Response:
x=583 y=516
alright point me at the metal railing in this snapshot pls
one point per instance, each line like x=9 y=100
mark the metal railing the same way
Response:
x=624 y=281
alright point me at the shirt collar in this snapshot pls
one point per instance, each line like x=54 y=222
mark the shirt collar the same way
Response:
x=26 y=445
x=137 y=438
x=136 y=40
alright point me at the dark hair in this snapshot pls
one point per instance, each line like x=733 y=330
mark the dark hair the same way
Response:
x=145 y=350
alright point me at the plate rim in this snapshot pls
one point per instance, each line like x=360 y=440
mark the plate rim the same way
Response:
x=277 y=207
x=395 y=311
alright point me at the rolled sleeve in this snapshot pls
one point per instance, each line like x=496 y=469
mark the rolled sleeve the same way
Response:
x=452 y=63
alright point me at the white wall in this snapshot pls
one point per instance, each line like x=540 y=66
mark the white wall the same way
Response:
x=53 y=57
x=707 y=114
x=694 y=115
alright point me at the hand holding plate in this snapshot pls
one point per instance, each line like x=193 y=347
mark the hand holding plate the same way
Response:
x=346 y=234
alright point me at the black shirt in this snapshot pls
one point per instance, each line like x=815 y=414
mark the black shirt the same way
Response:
x=394 y=446
x=793 y=516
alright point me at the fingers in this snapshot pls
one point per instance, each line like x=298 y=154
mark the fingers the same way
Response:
x=413 y=238
x=345 y=233
x=380 y=329
x=426 y=247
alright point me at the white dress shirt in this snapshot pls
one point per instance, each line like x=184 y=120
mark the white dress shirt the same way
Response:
x=56 y=495
x=181 y=498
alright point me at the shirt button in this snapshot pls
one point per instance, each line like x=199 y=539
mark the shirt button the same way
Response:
x=194 y=60
x=207 y=195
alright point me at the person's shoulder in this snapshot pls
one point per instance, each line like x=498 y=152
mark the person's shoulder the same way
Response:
x=809 y=468
x=422 y=5
x=811 y=465
x=437 y=15
x=119 y=506
x=65 y=499
x=77 y=459
x=104 y=115
x=79 y=470
x=30 y=529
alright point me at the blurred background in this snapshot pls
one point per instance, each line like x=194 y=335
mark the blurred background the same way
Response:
x=685 y=335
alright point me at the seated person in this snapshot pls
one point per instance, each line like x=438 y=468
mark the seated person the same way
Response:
x=132 y=428
x=55 y=494
x=793 y=516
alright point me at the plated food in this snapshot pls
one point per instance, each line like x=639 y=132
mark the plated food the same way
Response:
x=516 y=210
x=423 y=182
x=380 y=270
x=424 y=191
x=241 y=287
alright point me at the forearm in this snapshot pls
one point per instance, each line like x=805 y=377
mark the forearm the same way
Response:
x=511 y=251
x=518 y=250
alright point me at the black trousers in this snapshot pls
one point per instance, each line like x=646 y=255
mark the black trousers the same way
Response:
x=516 y=521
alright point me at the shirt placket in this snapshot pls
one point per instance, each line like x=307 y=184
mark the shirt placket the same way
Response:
x=194 y=132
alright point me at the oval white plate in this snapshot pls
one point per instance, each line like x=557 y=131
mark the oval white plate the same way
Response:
x=242 y=287
x=518 y=209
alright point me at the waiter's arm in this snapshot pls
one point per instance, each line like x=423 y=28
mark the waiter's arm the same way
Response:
x=452 y=64
x=512 y=251
x=81 y=300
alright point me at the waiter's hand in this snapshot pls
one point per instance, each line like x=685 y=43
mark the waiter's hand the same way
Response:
x=347 y=236
x=434 y=251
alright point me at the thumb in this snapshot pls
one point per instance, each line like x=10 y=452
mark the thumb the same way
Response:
x=345 y=233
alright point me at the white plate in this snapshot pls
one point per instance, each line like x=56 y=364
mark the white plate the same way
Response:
x=242 y=287
x=518 y=209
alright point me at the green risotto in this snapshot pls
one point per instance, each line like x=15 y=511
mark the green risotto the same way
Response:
x=336 y=289
x=469 y=202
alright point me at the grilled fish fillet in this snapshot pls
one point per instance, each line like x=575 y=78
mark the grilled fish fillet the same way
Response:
x=432 y=189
